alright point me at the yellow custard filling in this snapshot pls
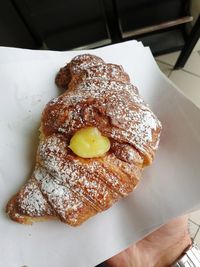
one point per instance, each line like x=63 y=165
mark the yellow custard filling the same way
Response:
x=89 y=143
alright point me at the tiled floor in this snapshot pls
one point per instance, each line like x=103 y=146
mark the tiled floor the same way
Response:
x=188 y=80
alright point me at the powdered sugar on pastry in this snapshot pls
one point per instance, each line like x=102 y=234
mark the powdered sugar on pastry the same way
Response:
x=72 y=188
x=126 y=115
x=32 y=202
x=82 y=176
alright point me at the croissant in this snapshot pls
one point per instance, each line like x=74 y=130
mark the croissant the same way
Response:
x=71 y=188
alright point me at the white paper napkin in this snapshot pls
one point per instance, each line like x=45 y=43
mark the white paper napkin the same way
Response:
x=170 y=187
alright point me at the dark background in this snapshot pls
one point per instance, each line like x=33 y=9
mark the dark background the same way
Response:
x=72 y=24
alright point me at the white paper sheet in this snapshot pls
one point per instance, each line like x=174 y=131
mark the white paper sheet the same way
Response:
x=170 y=187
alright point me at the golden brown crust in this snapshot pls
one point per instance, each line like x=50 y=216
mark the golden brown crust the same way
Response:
x=63 y=77
x=76 y=66
x=71 y=188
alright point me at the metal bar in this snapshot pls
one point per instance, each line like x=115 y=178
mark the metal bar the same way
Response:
x=27 y=24
x=111 y=16
x=157 y=27
x=189 y=45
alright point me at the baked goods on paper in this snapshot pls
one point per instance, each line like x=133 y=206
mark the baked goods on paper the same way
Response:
x=95 y=140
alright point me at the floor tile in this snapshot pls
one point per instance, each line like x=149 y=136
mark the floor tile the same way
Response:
x=165 y=68
x=169 y=58
x=193 y=63
x=195 y=217
x=197 y=46
x=197 y=239
x=189 y=84
x=193 y=228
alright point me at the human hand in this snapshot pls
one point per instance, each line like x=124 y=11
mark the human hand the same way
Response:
x=159 y=249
